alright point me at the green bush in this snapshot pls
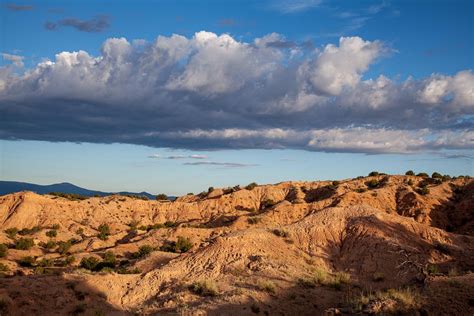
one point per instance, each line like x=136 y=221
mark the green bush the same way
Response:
x=423 y=190
x=80 y=231
x=55 y=226
x=372 y=184
x=410 y=173
x=11 y=232
x=170 y=224
x=69 y=196
x=64 y=246
x=104 y=231
x=3 y=268
x=124 y=270
x=251 y=186
x=29 y=231
x=142 y=252
x=109 y=258
x=49 y=245
x=3 y=250
x=204 y=288
x=210 y=189
x=162 y=197
x=436 y=175
x=373 y=174
x=280 y=233
x=180 y=246
x=423 y=175
x=89 y=263
x=51 y=233
x=24 y=244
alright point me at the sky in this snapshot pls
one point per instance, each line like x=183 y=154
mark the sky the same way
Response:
x=176 y=96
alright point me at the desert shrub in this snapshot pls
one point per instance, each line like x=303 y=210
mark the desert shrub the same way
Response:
x=11 y=232
x=80 y=231
x=123 y=270
x=436 y=175
x=410 y=182
x=24 y=244
x=104 y=231
x=52 y=233
x=410 y=173
x=29 y=231
x=181 y=245
x=69 y=196
x=64 y=246
x=251 y=186
x=55 y=226
x=320 y=276
x=360 y=190
x=161 y=197
x=423 y=175
x=170 y=224
x=204 y=288
x=335 y=183
x=210 y=189
x=48 y=245
x=3 y=268
x=227 y=190
x=405 y=300
x=378 y=277
x=280 y=233
x=267 y=286
x=143 y=252
x=423 y=190
x=372 y=184
x=339 y=279
x=432 y=269
x=267 y=203
x=45 y=262
x=3 y=250
x=254 y=220
x=373 y=174
x=89 y=263
x=109 y=258
x=27 y=261
x=306 y=282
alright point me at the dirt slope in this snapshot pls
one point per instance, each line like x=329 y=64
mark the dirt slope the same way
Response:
x=367 y=245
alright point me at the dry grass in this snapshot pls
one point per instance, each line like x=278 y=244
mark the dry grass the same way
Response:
x=267 y=286
x=404 y=300
x=205 y=288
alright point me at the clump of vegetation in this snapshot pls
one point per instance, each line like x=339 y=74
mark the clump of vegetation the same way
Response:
x=373 y=174
x=405 y=299
x=27 y=261
x=251 y=186
x=24 y=244
x=55 y=226
x=423 y=175
x=11 y=232
x=136 y=196
x=210 y=189
x=152 y=226
x=372 y=184
x=267 y=203
x=3 y=250
x=80 y=231
x=254 y=220
x=104 y=231
x=142 y=252
x=170 y=224
x=180 y=246
x=267 y=286
x=322 y=277
x=52 y=233
x=89 y=263
x=423 y=190
x=410 y=182
x=123 y=270
x=436 y=175
x=204 y=288
x=69 y=196
x=48 y=245
x=3 y=268
x=335 y=183
x=162 y=197
x=64 y=246
x=410 y=173
x=280 y=233
x=29 y=231
x=361 y=190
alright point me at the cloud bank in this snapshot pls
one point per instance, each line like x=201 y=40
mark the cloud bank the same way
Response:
x=94 y=25
x=214 y=92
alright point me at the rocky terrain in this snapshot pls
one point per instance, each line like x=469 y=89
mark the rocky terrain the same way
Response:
x=377 y=244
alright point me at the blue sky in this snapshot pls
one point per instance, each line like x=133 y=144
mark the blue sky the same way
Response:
x=394 y=93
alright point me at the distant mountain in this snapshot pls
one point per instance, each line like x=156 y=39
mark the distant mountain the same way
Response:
x=7 y=187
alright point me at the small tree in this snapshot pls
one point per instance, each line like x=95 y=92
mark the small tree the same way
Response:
x=104 y=231
x=11 y=232
x=161 y=197
x=89 y=263
x=410 y=173
x=437 y=175
x=24 y=244
x=373 y=174
x=251 y=186
x=423 y=175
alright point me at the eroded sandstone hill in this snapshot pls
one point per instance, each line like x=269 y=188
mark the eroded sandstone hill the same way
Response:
x=381 y=244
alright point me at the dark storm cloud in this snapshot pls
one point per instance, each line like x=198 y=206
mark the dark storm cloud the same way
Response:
x=94 y=25
x=213 y=92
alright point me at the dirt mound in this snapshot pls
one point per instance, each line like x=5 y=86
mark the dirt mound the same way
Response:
x=293 y=247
